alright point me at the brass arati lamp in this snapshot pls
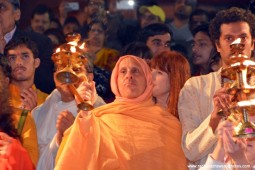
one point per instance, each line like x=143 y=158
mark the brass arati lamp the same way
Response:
x=67 y=58
x=236 y=78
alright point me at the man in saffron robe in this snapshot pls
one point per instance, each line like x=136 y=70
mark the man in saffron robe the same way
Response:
x=130 y=133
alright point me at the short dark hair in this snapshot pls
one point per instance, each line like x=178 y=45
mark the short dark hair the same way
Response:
x=152 y=30
x=97 y=21
x=231 y=15
x=138 y=49
x=15 y=3
x=22 y=41
x=201 y=28
x=73 y=20
x=198 y=12
x=42 y=9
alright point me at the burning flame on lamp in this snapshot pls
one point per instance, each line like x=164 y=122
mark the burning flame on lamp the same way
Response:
x=82 y=46
x=237 y=41
x=73 y=49
x=246 y=103
x=57 y=50
x=74 y=43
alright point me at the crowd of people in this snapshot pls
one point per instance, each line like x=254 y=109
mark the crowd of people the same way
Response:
x=155 y=88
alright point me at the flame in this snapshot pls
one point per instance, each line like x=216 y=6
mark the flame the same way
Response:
x=73 y=49
x=237 y=41
x=82 y=45
x=74 y=43
x=57 y=50
x=245 y=63
x=246 y=103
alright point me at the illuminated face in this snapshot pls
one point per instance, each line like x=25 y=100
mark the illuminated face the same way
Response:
x=148 y=18
x=229 y=33
x=201 y=49
x=40 y=22
x=96 y=35
x=131 y=79
x=160 y=82
x=8 y=16
x=159 y=43
x=23 y=63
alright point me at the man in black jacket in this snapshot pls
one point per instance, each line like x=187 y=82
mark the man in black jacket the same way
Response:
x=9 y=16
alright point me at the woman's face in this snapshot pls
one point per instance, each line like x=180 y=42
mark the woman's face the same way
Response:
x=96 y=35
x=160 y=82
x=201 y=49
x=131 y=79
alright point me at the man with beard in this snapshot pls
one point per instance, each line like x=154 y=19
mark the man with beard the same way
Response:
x=179 y=25
x=41 y=18
x=182 y=36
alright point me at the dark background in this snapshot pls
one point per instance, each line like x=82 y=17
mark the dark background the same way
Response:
x=211 y=5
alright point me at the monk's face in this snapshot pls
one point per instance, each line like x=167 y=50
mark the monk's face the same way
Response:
x=131 y=79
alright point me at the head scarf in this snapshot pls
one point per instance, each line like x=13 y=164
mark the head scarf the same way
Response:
x=147 y=94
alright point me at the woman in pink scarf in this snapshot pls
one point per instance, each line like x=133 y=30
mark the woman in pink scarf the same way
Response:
x=130 y=133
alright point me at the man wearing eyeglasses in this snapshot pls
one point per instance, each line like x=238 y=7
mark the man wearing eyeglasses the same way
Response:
x=157 y=37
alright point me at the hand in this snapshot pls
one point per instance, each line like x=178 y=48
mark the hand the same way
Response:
x=219 y=152
x=29 y=98
x=234 y=147
x=66 y=94
x=222 y=101
x=64 y=121
x=5 y=143
x=87 y=91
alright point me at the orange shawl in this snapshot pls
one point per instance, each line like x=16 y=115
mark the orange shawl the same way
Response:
x=16 y=158
x=124 y=135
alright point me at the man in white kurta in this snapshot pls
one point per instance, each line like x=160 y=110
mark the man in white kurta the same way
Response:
x=203 y=97
x=45 y=117
x=195 y=107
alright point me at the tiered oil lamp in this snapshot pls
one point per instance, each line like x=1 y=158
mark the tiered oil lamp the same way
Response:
x=237 y=78
x=67 y=58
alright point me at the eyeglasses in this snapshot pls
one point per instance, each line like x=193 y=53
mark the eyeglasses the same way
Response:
x=159 y=43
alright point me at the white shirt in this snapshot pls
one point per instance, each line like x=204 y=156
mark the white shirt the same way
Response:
x=194 y=107
x=45 y=117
